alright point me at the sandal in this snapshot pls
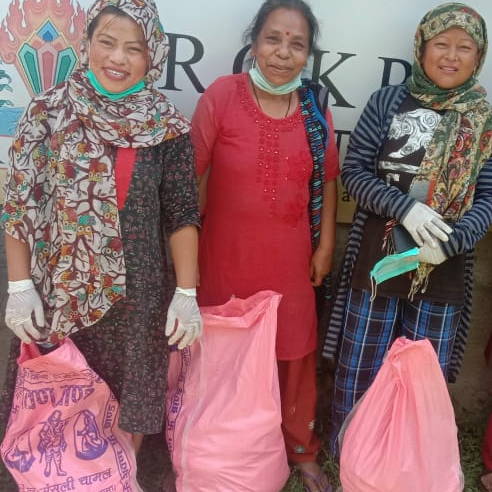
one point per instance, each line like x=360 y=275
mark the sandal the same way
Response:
x=317 y=480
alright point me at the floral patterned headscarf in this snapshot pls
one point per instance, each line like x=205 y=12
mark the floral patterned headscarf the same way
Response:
x=462 y=142
x=145 y=14
x=60 y=192
x=144 y=119
x=433 y=23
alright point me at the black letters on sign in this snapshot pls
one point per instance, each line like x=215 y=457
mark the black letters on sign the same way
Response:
x=237 y=66
x=340 y=134
x=322 y=78
x=325 y=80
x=388 y=65
x=172 y=62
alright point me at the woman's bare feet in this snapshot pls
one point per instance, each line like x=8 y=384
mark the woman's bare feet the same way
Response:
x=314 y=478
x=486 y=481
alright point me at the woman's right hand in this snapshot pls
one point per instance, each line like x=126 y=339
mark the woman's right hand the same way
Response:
x=22 y=301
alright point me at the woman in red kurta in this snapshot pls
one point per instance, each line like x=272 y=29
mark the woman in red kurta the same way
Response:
x=255 y=163
x=256 y=231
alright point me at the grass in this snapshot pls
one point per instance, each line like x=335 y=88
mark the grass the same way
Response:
x=470 y=438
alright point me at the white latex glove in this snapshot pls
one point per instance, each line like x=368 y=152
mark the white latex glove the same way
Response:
x=434 y=256
x=425 y=224
x=23 y=300
x=184 y=321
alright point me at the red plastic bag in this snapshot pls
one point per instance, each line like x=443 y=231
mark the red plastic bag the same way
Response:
x=402 y=436
x=224 y=417
x=62 y=433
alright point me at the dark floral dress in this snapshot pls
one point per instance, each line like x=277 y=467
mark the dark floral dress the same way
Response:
x=128 y=347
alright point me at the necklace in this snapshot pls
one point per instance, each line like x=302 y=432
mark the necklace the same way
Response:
x=261 y=107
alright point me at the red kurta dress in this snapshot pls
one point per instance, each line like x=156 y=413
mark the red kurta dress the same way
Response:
x=256 y=232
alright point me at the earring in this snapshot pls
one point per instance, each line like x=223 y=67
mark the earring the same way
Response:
x=253 y=63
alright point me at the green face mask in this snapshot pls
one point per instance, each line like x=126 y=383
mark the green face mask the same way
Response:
x=262 y=83
x=114 y=96
x=393 y=265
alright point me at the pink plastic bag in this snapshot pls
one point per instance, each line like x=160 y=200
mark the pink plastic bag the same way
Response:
x=224 y=414
x=62 y=433
x=402 y=435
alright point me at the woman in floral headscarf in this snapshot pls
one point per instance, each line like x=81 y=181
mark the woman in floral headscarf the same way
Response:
x=418 y=165
x=101 y=172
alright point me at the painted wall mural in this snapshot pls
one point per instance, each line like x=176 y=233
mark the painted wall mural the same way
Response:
x=5 y=86
x=39 y=39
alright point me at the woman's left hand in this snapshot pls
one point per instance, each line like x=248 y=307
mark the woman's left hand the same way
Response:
x=321 y=263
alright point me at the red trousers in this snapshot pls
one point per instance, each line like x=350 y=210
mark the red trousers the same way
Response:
x=487 y=446
x=297 y=380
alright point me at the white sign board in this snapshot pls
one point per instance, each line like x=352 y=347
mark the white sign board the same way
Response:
x=364 y=45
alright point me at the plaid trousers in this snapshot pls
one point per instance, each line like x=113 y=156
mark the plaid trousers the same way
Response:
x=370 y=327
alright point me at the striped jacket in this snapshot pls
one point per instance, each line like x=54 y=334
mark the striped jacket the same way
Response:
x=373 y=195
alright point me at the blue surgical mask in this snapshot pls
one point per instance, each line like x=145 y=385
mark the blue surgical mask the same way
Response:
x=277 y=90
x=114 y=96
x=393 y=265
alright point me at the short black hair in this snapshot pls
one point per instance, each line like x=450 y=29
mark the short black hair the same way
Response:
x=253 y=31
x=110 y=9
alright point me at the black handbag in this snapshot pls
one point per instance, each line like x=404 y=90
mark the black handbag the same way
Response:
x=401 y=239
